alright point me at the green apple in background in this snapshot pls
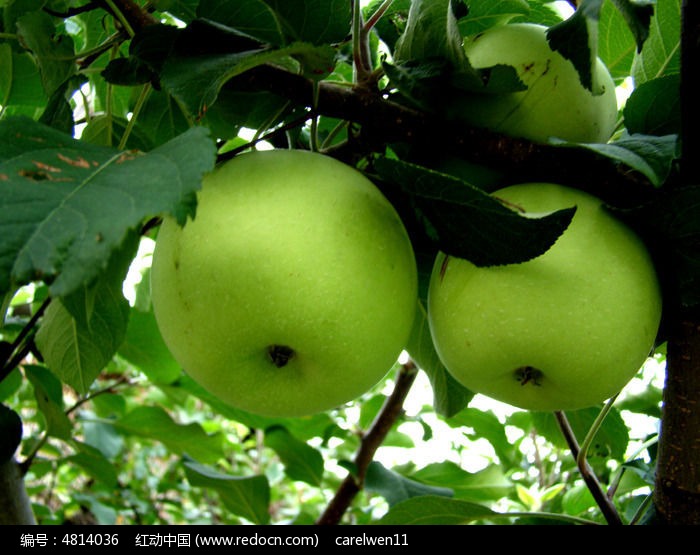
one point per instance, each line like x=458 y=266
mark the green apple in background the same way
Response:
x=294 y=288
x=562 y=331
x=555 y=103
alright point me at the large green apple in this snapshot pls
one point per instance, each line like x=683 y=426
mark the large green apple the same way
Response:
x=555 y=103
x=294 y=288
x=565 y=330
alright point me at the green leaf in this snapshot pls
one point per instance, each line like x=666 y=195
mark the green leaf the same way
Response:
x=466 y=222
x=186 y=384
x=105 y=130
x=20 y=82
x=10 y=433
x=49 y=397
x=255 y=18
x=431 y=32
x=161 y=119
x=155 y=423
x=432 y=509
x=646 y=402
x=576 y=38
x=184 y=10
x=393 y=23
x=609 y=442
x=672 y=220
x=487 y=485
x=144 y=347
x=10 y=384
x=449 y=396
x=314 y=21
x=95 y=464
x=654 y=107
x=486 y=425
x=661 y=54
x=248 y=497
x=616 y=43
x=102 y=435
x=577 y=500
x=196 y=80
x=637 y=15
x=80 y=333
x=543 y=12
x=301 y=461
x=67 y=205
x=396 y=488
x=650 y=155
x=53 y=51
x=484 y=14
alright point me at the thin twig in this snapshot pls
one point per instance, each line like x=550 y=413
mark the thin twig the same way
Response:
x=371 y=441
x=606 y=505
x=13 y=361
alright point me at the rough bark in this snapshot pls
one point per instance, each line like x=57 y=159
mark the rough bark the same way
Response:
x=677 y=493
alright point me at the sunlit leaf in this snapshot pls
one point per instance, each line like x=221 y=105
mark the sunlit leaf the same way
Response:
x=247 y=496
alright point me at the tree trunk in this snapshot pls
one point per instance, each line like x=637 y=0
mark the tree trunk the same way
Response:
x=677 y=492
x=15 y=507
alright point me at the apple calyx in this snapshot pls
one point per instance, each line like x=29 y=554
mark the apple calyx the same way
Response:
x=280 y=355
x=528 y=374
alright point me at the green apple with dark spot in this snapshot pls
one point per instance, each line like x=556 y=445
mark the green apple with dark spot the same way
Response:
x=293 y=290
x=565 y=330
x=555 y=104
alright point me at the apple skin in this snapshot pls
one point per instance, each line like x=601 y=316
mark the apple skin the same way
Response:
x=563 y=331
x=294 y=288
x=555 y=104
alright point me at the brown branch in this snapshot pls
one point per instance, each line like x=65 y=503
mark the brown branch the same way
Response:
x=677 y=491
x=604 y=502
x=137 y=16
x=20 y=348
x=371 y=441
x=385 y=120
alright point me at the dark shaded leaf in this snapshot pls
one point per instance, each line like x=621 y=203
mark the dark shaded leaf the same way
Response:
x=637 y=14
x=255 y=18
x=467 y=223
x=315 y=21
x=575 y=39
x=654 y=107
x=650 y=155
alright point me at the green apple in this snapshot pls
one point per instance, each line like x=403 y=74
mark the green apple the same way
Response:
x=294 y=288
x=565 y=330
x=555 y=103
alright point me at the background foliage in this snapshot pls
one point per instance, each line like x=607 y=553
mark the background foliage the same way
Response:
x=109 y=118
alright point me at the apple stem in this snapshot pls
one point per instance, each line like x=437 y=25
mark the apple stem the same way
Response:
x=371 y=441
x=604 y=502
